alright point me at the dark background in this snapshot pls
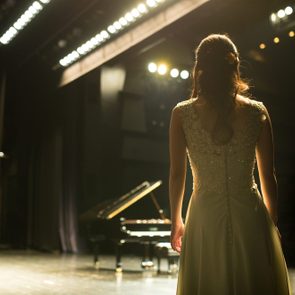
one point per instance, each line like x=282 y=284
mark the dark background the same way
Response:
x=69 y=148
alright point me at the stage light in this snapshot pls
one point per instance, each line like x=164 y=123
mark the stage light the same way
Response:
x=281 y=13
x=123 y=21
x=276 y=40
x=184 y=74
x=151 y=3
x=273 y=17
x=74 y=55
x=129 y=17
x=291 y=34
x=113 y=28
x=117 y=25
x=262 y=46
x=86 y=47
x=22 y=21
x=135 y=13
x=152 y=67
x=162 y=69
x=142 y=8
x=174 y=73
x=288 y=10
x=105 y=34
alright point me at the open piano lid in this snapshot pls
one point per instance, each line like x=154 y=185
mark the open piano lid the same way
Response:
x=115 y=207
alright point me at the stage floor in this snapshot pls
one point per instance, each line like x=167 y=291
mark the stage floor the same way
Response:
x=35 y=273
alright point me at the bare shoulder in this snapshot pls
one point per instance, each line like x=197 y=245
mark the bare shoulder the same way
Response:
x=254 y=104
x=183 y=103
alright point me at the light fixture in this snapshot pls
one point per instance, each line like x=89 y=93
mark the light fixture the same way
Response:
x=152 y=67
x=291 y=34
x=184 y=74
x=174 y=73
x=151 y=3
x=2 y=155
x=281 y=13
x=288 y=10
x=162 y=69
x=129 y=17
x=273 y=17
x=276 y=40
x=23 y=20
x=262 y=46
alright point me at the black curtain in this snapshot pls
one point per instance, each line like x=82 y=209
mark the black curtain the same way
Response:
x=53 y=206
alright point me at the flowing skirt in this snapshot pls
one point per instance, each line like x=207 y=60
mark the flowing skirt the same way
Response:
x=231 y=246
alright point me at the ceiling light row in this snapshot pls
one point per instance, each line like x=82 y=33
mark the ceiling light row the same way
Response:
x=162 y=69
x=120 y=24
x=23 y=20
x=277 y=40
x=281 y=14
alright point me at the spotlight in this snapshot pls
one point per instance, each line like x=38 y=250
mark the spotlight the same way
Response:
x=105 y=34
x=162 y=69
x=151 y=3
x=291 y=34
x=262 y=46
x=135 y=13
x=273 y=17
x=123 y=21
x=276 y=40
x=281 y=13
x=117 y=25
x=142 y=8
x=112 y=29
x=184 y=74
x=152 y=67
x=129 y=17
x=174 y=73
x=288 y=10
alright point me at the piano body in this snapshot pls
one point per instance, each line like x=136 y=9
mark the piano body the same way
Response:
x=104 y=222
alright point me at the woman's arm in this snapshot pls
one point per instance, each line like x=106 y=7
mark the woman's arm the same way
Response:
x=265 y=163
x=178 y=162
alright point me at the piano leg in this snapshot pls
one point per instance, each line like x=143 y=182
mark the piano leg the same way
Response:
x=96 y=255
x=147 y=260
x=118 y=257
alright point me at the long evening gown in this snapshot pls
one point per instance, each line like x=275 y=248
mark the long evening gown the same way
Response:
x=230 y=244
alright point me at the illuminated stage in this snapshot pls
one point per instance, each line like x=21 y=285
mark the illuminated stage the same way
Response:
x=39 y=273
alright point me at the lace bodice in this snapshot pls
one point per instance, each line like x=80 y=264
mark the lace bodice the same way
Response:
x=222 y=168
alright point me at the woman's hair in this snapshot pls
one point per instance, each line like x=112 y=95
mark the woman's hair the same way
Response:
x=216 y=77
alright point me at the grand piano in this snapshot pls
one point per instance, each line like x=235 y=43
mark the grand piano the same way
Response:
x=106 y=222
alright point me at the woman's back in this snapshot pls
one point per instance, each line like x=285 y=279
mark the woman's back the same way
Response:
x=224 y=167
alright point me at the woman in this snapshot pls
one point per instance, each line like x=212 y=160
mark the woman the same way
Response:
x=230 y=243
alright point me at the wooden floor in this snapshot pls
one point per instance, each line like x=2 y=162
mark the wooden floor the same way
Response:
x=38 y=273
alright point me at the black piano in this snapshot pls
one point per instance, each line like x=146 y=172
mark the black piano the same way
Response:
x=106 y=222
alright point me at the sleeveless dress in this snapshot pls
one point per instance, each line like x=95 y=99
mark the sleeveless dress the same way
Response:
x=230 y=244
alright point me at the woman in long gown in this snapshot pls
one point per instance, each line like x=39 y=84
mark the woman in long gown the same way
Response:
x=229 y=243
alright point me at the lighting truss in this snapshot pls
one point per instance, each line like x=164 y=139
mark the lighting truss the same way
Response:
x=119 y=25
x=23 y=21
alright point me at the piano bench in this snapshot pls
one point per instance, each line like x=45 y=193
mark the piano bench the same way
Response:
x=164 y=250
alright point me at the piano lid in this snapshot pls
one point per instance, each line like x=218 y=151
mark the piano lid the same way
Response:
x=117 y=206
